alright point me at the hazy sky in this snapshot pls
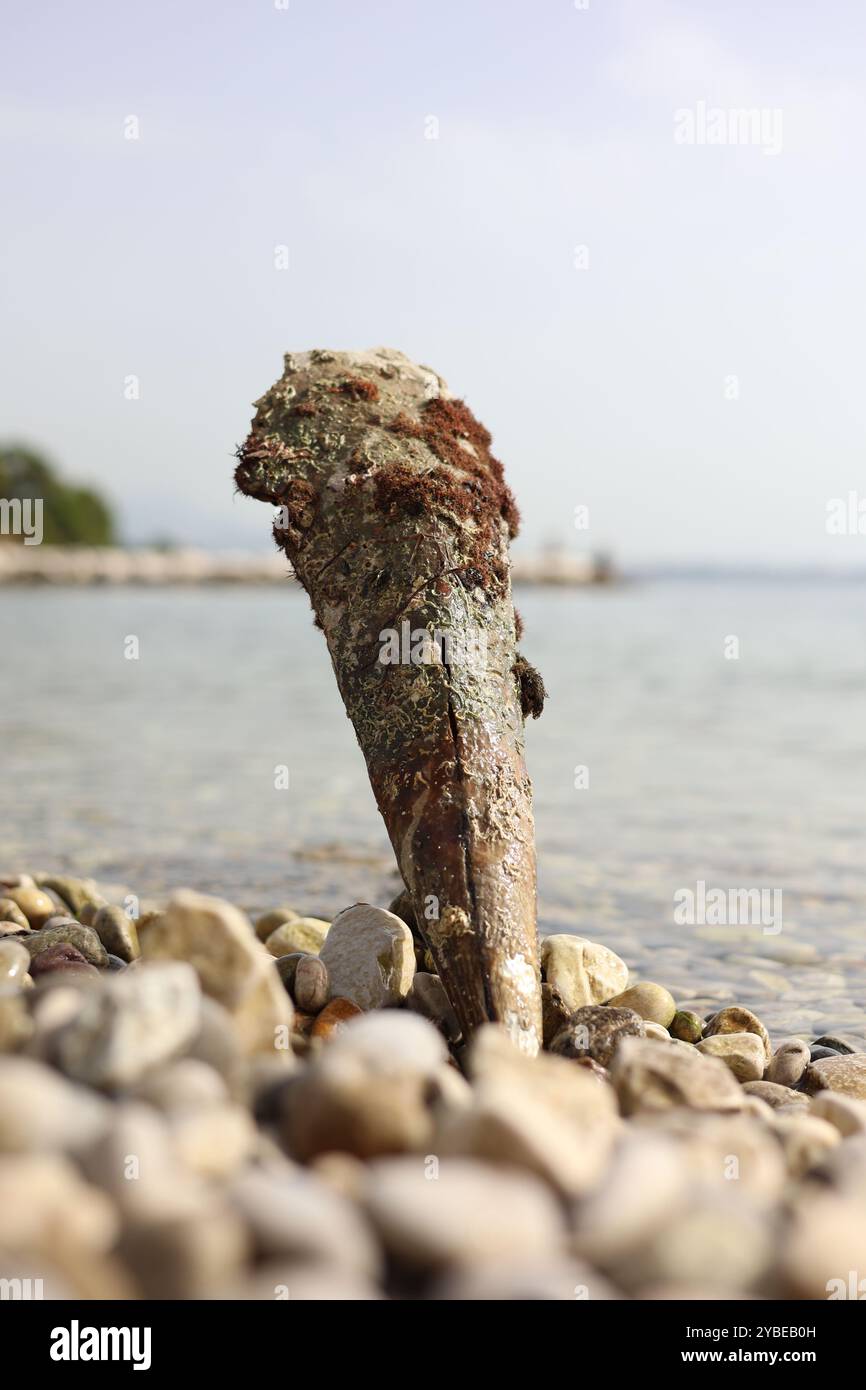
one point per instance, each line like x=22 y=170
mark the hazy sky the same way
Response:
x=608 y=384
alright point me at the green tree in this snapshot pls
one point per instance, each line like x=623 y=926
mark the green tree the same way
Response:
x=70 y=515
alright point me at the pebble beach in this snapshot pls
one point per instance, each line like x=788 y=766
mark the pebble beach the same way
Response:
x=199 y=1104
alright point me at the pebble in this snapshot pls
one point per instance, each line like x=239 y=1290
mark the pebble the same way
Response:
x=686 y=1026
x=649 y=1077
x=213 y=1141
x=370 y=955
x=332 y=1020
x=62 y=956
x=843 y=1074
x=311 y=984
x=84 y=939
x=14 y=962
x=11 y=912
x=427 y=997
x=818 y=1054
x=774 y=1095
x=184 y=1085
x=368 y=1091
x=269 y=921
x=655 y=1030
x=789 y=1062
x=744 y=1053
x=289 y=1213
x=582 y=972
x=117 y=932
x=36 y=905
x=75 y=892
x=16 y=1025
x=806 y=1139
x=836 y=1044
x=847 y=1114
x=736 y=1019
x=595 y=1031
x=40 y=1111
x=306 y=934
x=286 y=967
x=824 y=1243
x=135 y=1021
x=233 y=967
x=456 y=1219
x=653 y=1003
x=641 y=1188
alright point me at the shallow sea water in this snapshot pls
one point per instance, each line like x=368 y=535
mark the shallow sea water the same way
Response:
x=745 y=773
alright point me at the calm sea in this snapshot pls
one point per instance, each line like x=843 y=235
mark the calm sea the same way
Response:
x=693 y=764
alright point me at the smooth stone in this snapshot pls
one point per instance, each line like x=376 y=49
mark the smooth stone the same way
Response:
x=744 y=1053
x=457 y=1219
x=548 y=1115
x=115 y=963
x=686 y=1026
x=427 y=997
x=650 y=1077
x=369 y=1091
x=269 y=921
x=775 y=1095
x=332 y=1021
x=14 y=962
x=16 y=881
x=806 y=1139
x=311 y=984
x=582 y=972
x=213 y=1141
x=789 y=1062
x=554 y=1014
x=595 y=1031
x=836 y=1044
x=39 y=1110
x=117 y=932
x=846 y=1075
x=135 y=1021
x=286 y=967
x=291 y=1213
x=847 y=1114
x=818 y=1054
x=217 y=1044
x=11 y=912
x=60 y=919
x=16 y=1025
x=825 y=1241
x=736 y=1148
x=721 y=1238
x=135 y=1163
x=36 y=905
x=736 y=1019
x=370 y=955
x=233 y=967
x=306 y=934
x=641 y=1188
x=75 y=892
x=655 y=1030
x=84 y=939
x=183 y=1086
x=61 y=957
x=653 y=1003
x=49 y=1212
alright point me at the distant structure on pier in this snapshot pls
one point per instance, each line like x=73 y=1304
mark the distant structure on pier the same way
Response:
x=556 y=564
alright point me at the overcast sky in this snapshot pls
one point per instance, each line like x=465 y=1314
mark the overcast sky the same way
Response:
x=693 y=375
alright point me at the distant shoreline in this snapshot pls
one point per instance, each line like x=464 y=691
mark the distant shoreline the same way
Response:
x=85 y=566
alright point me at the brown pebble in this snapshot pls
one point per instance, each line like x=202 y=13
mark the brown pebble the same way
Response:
x=554 y=1013
x=334 y=1017
x=63 y=956
x=311 y=984
x=11 y=912
x=286 y=967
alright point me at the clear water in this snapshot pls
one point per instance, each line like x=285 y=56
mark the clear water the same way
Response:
x=743 y=773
